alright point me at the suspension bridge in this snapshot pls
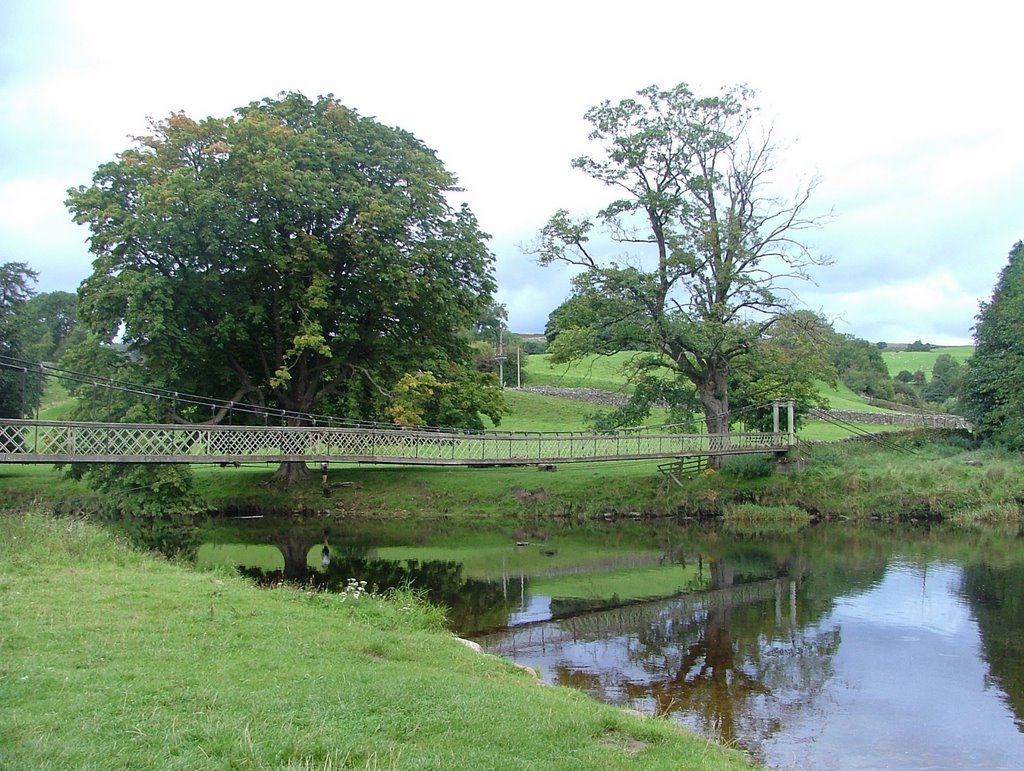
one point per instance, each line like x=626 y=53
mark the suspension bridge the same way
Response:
x=41 y=441
x=325 y=439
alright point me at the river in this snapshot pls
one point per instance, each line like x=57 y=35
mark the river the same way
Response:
x=820 y=647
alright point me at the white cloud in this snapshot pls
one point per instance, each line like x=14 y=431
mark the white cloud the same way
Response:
x=929 y=308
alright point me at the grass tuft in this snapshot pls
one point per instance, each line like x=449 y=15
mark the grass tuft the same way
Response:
x=752 y=512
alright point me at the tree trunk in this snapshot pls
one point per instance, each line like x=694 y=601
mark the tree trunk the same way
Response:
x=290 y=472
x=295 y=550
x=713 y=392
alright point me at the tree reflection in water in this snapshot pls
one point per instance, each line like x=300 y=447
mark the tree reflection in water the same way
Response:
x=471 y=603
x=996 y=594
x=726 y=676
x=732 y=671
x=731 y=662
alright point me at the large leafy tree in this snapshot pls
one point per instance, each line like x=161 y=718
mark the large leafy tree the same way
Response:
x=422 y=399
x=942 y=389
x=787 y=362
x=709 y=244
x=992 y=394
x=18 y=392
x=295 y=254
x=51 y=325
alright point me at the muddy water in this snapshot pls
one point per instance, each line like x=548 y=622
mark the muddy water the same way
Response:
x=829 y=647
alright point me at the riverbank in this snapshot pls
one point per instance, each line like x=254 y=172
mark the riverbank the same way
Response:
x=111 y=655
x=116 y=658
x=930 y=475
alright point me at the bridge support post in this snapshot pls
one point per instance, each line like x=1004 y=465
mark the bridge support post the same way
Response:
x=790 y=422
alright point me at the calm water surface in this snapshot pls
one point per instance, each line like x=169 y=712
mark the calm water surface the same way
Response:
x=829 y=647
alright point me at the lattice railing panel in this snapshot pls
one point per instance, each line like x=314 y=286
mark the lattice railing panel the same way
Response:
x=112 y=442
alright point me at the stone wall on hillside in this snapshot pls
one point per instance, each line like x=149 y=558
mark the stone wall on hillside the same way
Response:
x=591 y=395
x=929 y=419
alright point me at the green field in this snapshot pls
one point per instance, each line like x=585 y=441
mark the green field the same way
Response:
x=840 y=397
x=543 y=412
x=923 y=361
x=607 y=373
x=57 y=402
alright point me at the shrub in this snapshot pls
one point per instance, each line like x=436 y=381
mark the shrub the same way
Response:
x=750 y=466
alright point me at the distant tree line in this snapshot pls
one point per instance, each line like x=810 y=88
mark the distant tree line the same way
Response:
x=33 y=328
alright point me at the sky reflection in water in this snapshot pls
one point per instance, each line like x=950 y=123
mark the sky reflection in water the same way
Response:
x=910 y=688
x=892 y=676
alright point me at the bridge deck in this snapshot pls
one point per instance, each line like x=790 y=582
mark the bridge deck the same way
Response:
x=40 y=441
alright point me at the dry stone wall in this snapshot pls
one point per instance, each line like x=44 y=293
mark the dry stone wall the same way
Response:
x=928 y=419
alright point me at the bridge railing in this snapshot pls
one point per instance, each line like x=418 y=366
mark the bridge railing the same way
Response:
x=37 y=441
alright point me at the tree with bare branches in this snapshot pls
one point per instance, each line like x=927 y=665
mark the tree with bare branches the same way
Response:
x=711 y=244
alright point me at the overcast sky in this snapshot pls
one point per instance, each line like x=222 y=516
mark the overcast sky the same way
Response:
x=910 y=113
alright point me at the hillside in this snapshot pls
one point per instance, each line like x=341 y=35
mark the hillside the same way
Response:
x=545 y=412
x=923 y=361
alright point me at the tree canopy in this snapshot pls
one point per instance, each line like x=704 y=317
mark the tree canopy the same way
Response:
x=294 y=254
x=992 y=377
x=860 y=366
x=18 y=392
x=710 y=244
x=51 y=325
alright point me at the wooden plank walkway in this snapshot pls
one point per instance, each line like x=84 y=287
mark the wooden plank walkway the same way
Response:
x=41 y=441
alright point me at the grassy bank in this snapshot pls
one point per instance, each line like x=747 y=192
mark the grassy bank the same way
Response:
x=110 y=658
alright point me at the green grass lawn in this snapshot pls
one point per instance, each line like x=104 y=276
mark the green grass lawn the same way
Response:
x=57 y=403
x=840 y=397
x=542 y=412
x=116 y=659
x=606 y=373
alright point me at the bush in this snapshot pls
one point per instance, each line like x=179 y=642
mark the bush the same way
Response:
x=750 y=466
